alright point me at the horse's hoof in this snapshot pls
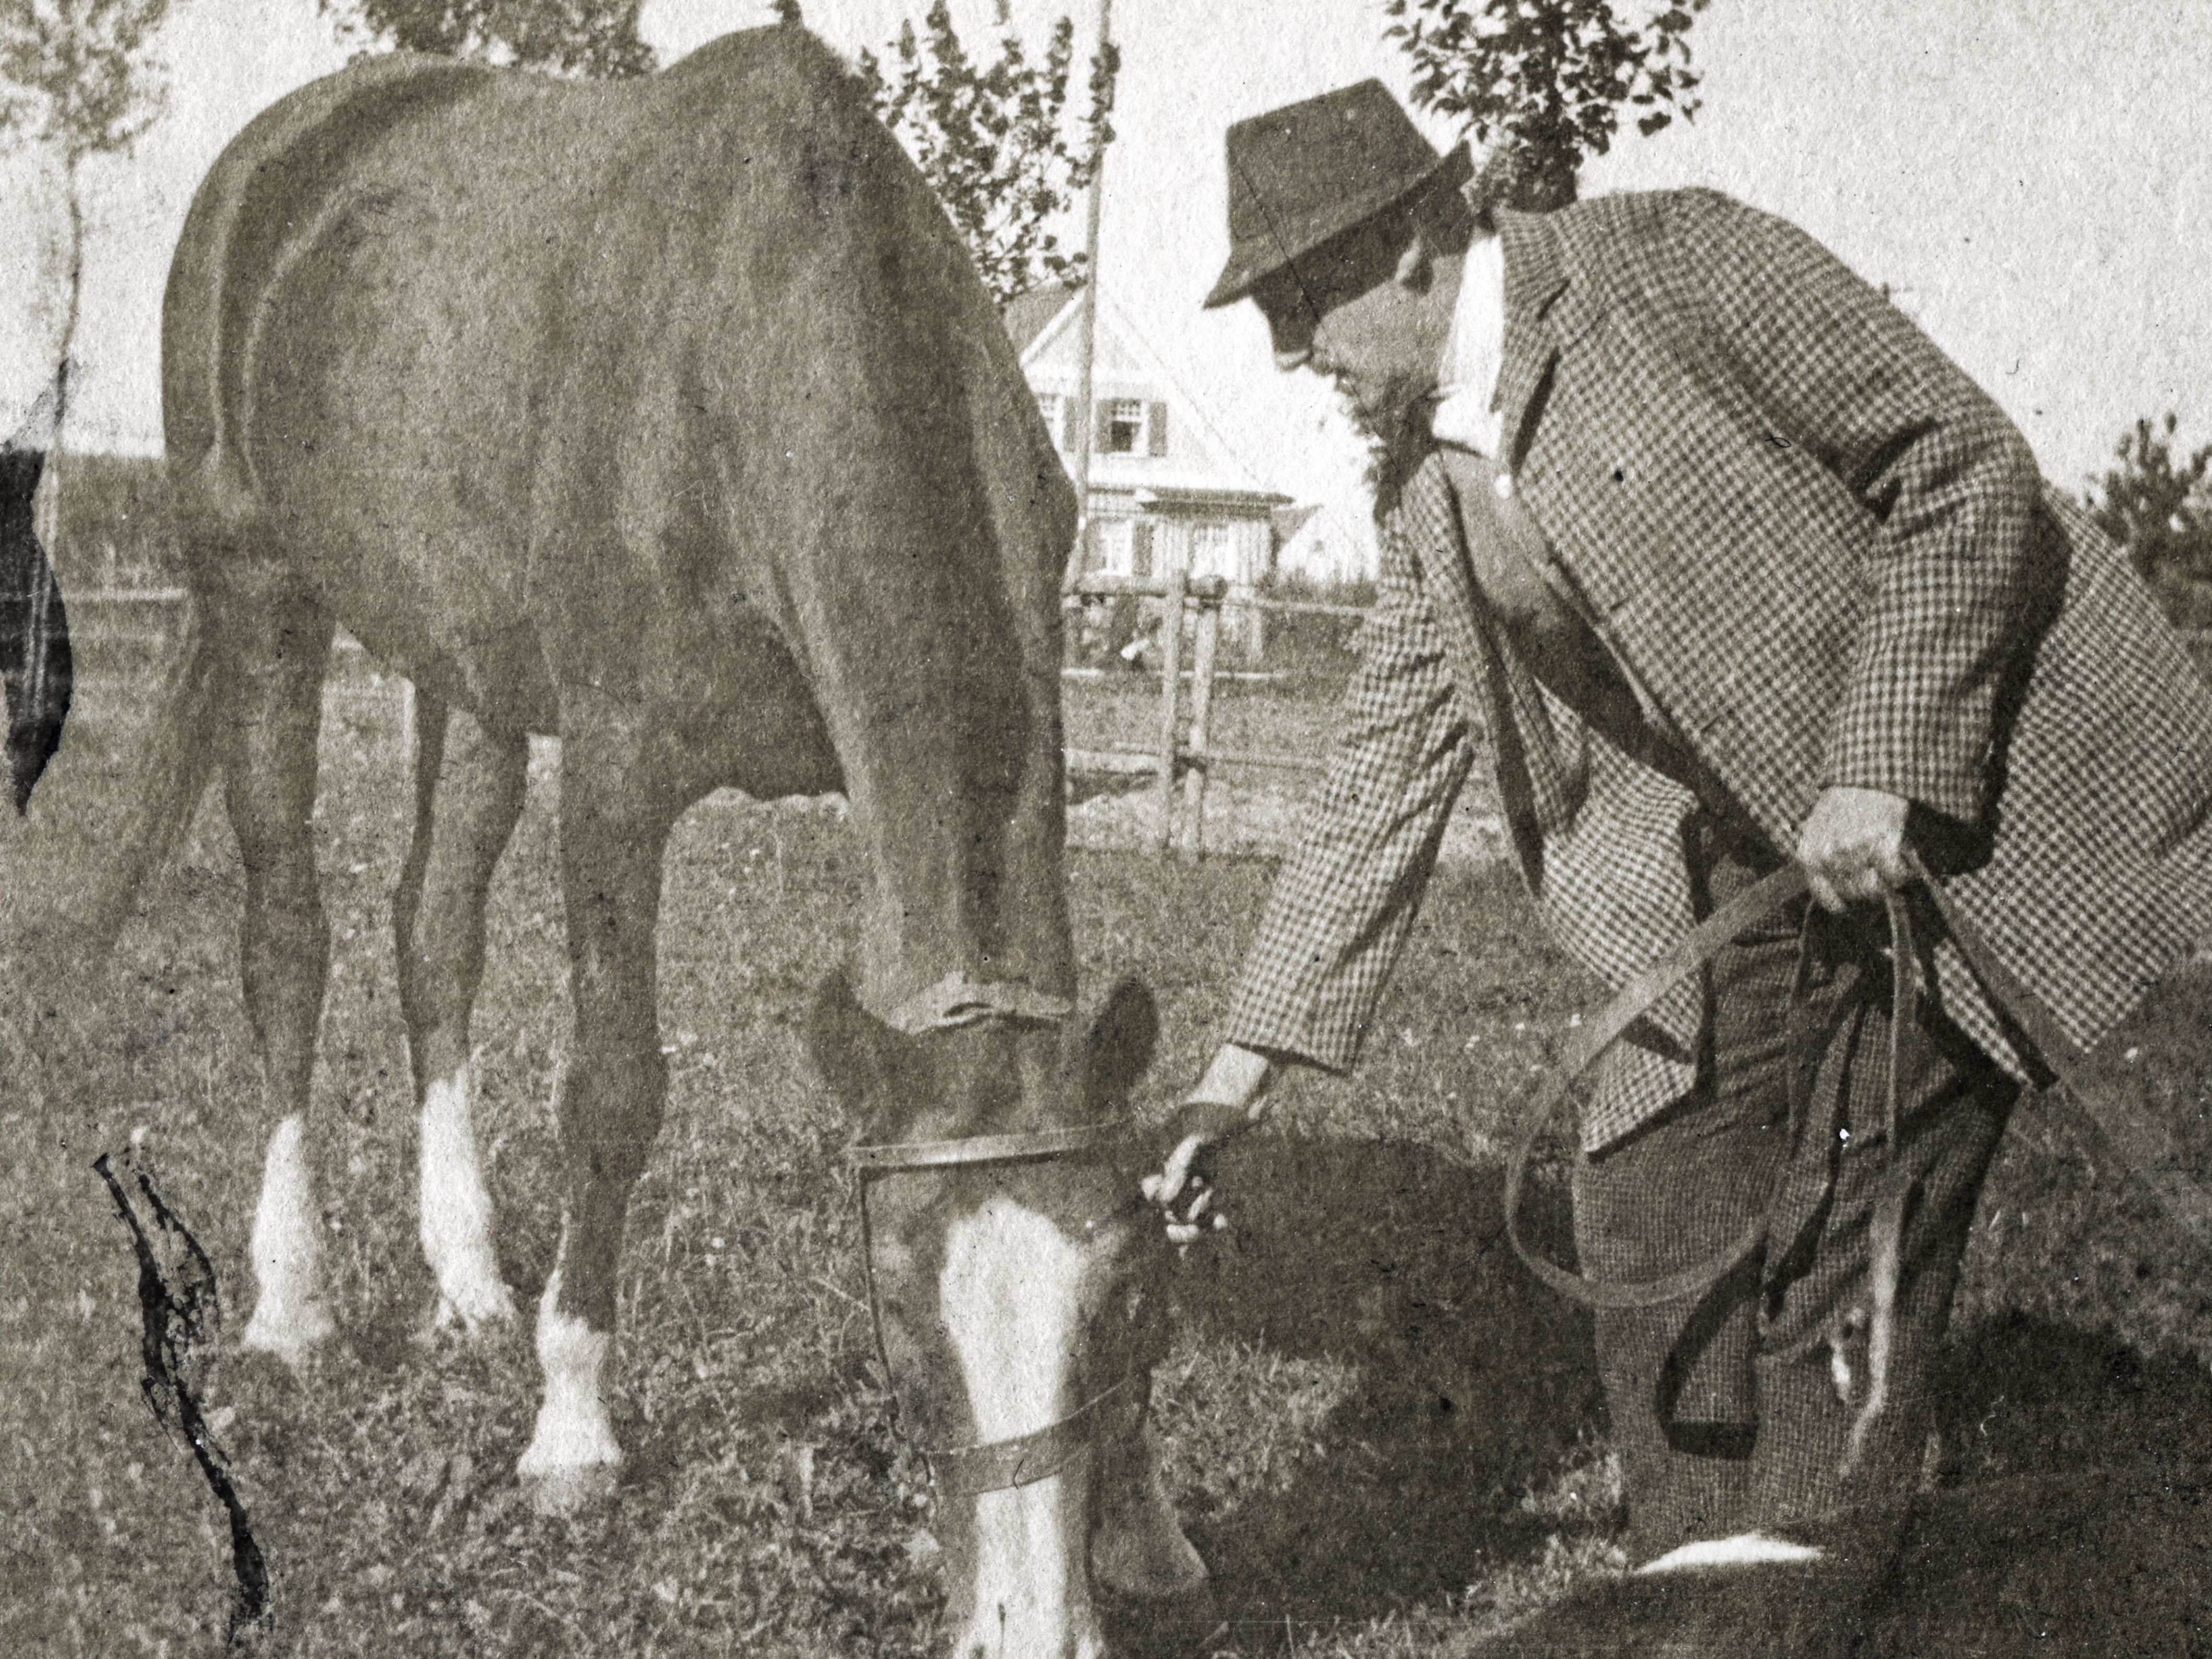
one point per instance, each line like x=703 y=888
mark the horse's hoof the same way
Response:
x=479 y=1315
x=296 y=1336
x=558 y=1493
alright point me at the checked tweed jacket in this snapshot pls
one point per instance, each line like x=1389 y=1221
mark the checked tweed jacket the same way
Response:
x=1830 y=560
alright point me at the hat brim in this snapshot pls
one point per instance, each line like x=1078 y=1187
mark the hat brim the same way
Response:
x=1252 y=262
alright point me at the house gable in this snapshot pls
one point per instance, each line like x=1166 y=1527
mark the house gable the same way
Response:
x=1167 y=489
x=1150 y=431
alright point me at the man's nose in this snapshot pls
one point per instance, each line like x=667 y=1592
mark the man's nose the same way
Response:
x=1290 y=332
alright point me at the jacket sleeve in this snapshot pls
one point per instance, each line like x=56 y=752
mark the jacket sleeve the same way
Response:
x=1831 y=367
x=1343 y=905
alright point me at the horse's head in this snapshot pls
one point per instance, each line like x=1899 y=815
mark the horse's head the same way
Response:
x=1020 y=1297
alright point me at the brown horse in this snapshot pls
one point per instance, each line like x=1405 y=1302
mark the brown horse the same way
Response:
x=669 y=417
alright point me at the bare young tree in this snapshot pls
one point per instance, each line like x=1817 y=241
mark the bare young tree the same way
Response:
x=996 y=139
x=1545 y=82
x=597 y=39
x=80 y=77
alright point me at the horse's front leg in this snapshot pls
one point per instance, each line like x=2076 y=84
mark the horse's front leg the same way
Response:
x=614 y=825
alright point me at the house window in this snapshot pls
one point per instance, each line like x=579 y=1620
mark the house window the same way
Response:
x=1212 y=549
x=1120 y=426
x=1112 y=545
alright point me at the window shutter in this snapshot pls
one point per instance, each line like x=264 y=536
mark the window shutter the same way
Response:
x=1068 y=435
x=1157 y=427
x=1102 y=424
x=1140 y=548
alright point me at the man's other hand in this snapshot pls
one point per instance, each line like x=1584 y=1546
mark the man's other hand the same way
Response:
x=1853 y=846
x=1227 y=1101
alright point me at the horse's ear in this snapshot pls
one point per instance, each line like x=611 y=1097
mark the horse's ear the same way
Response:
x=847 y=1045
x=1118 y=1047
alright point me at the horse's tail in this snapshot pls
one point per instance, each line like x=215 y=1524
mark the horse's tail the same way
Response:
x=173 y=758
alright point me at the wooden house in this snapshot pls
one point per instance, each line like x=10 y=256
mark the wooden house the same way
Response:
x=1167 y=491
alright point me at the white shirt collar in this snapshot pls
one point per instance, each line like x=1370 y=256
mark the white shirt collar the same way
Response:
x=1467 y=375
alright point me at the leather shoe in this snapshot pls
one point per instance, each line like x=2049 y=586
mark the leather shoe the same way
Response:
x=1816 y=1609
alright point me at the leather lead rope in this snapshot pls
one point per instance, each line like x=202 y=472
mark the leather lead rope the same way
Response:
x=1637 y=997
x=1885 y=1228
x=2133 y=1137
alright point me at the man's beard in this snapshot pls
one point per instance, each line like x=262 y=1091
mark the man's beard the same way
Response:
x=1393 y=423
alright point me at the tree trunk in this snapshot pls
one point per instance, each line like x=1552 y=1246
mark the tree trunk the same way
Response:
x=48 y=519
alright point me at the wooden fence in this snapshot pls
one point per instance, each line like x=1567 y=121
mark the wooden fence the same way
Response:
x=1185 y=752
x=1181 y=759
x=125 y=636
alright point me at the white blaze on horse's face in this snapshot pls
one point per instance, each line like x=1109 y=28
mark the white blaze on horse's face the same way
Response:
x=456 y=1217
x=1009 y=1299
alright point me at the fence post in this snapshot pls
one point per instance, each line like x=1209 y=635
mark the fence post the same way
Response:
x=1170 y=693
x=407 y=734
x=1201 y=707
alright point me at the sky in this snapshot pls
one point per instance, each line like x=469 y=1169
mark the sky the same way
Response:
x=2033 y=178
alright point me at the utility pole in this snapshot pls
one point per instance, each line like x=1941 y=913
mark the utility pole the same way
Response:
x=1086 y=424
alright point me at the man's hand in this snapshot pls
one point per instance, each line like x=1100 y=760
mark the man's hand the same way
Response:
x=1853 y=846
x=1226 y=1101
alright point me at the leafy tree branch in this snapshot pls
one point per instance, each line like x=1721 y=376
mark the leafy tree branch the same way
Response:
x=997 y=137
x=1545 y=82
x=596 y=38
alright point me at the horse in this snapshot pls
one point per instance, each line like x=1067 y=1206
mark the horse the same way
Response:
x=669 y=417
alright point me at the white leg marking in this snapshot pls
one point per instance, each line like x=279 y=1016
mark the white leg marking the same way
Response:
x=1744 y=1549
x=1008 y=1296
x=289 y=1317
x=456 y=1215
x=574 y=1434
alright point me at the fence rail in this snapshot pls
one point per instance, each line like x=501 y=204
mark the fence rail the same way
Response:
x=1182 y=753
x=1185 y=750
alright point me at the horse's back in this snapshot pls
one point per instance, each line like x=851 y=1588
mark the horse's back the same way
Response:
x=575 y=374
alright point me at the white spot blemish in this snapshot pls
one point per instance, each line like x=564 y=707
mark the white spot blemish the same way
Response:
x=289 y=1317
x=1009 y=1298
x=456 y=1211
x=1745 y=1549
x=573 y=1433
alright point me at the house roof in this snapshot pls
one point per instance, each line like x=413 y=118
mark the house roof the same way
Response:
x=1126 y=365
x=1288 y=520
x=1031 y=314
x=1330 y=542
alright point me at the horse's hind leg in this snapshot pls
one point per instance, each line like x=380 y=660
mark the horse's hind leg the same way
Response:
x=469 y=790
x=279 y=641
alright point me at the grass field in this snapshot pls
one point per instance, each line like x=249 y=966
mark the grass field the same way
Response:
x=1384 y=1436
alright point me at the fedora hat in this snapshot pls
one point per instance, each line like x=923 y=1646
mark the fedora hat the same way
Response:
x=1310 y=171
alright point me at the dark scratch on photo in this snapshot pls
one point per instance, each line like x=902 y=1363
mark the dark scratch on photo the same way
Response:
x=180 y=1313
